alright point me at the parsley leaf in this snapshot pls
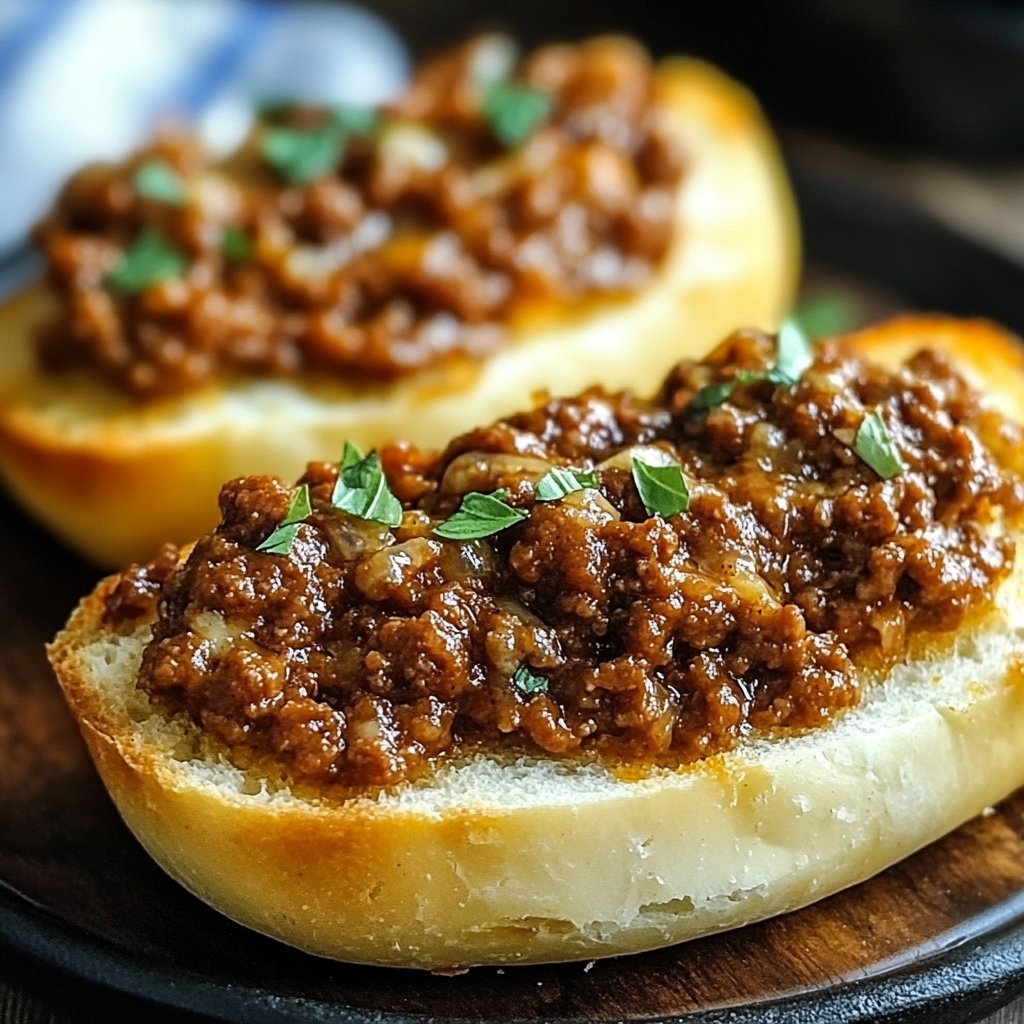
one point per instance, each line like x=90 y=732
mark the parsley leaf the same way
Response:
x=480 y=515
x=874 y=445
x=793 y=355
x=235 y=246
x=350 y=455
x=711 y=396
x=157 y=179
x=514 y=110
x=362 y=488
x=301 y=154
x=529 y=682
x=150 y=258
x=826 y=312
x=281 y=540
x=662 y=489
x=558 y=482
x=354 y=120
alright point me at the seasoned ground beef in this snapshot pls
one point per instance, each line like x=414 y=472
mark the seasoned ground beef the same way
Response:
x=592 y=626
x=368 y=244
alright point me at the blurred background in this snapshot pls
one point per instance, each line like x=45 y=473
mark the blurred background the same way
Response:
x=925 y=98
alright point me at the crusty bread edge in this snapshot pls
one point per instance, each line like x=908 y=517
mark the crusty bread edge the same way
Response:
x=532 y=860
x=527 y=860
x=114 y=479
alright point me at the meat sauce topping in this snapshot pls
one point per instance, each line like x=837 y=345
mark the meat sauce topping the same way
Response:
x=588 y=625
x=368 y=243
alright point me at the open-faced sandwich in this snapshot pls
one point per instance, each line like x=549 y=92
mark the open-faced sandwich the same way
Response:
x=605 y=675
x=505 y=225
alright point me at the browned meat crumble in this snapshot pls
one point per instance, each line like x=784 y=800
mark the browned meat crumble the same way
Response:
x=417 y=244
x=366 y=653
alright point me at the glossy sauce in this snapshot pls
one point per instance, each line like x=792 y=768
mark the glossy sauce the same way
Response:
x=417 y=245
x=368 y=652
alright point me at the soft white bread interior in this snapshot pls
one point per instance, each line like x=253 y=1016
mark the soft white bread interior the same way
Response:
x=502 y=859
x=114 y=478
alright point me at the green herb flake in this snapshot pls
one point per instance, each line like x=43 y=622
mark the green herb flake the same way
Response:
x=281 y=540
x=355 y=120
x=514 y=110
x=300 y=155
x=157 y=179
x=150 y=258
x=351 y=455
x=480 y=515
x=529 y=682
x=874 y=445
x=558 y=482
x=827 y=312
x=711 y=396
x=235 y=245
x=362 y=488
x=793 y=355
x=662 y=489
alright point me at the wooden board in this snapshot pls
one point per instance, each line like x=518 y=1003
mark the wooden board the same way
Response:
x=937 y=938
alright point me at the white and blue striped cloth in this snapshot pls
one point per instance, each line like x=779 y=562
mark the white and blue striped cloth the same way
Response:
x=90 y=79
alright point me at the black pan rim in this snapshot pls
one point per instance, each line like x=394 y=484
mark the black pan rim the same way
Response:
x=955 y=985
x=848 y=226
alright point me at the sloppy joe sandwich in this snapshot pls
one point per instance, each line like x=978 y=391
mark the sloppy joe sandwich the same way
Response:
x=605 y=675
x=505 y=225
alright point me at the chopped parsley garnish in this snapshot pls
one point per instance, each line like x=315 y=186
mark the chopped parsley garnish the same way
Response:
x=281 y=540
x=355 y=120
x=235 y=246
x=793 y=355
x=481 y=515
x=558 y=482
x=514 y=110
x=711 y=396
x=150 y=258
x=874 y=445
x=300 y=155
x=827 y=312
x=529 y=682
x=157 y=179
x=662 y=489
x=362 y=488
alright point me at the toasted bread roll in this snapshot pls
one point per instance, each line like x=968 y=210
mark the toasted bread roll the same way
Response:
x=114 y=477
x=496 y=856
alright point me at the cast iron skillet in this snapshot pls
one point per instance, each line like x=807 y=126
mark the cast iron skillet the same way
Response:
x=939 y=938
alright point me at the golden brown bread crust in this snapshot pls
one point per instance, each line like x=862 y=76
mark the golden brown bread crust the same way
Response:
x=501 y=860
x=85 y=459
